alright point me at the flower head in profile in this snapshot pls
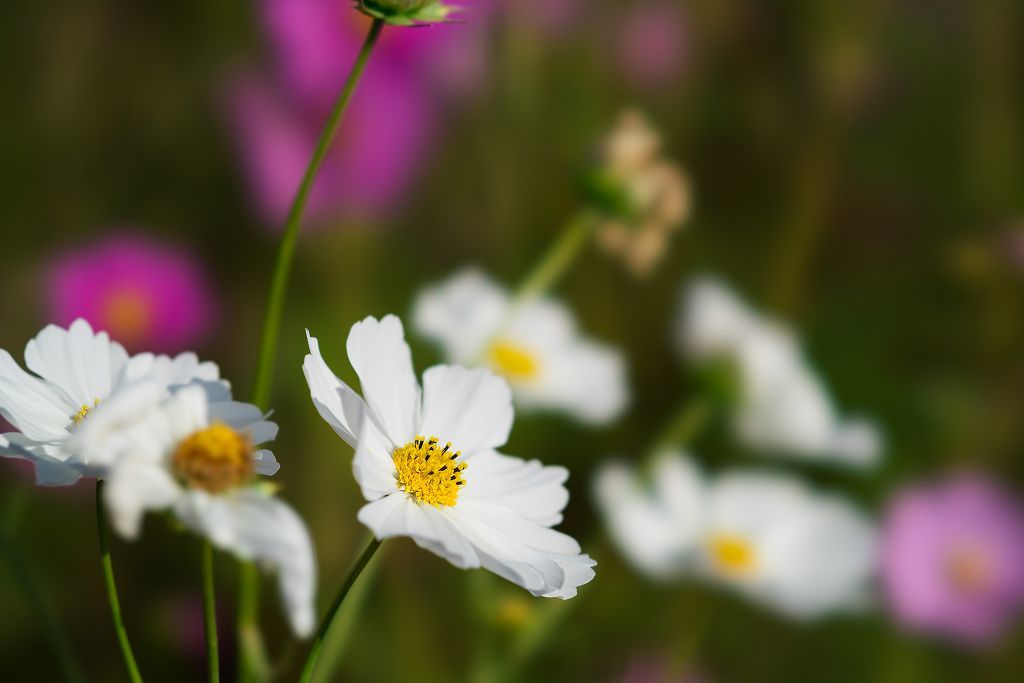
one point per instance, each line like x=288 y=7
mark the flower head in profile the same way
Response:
x=76 y=371
x=641 y=197
x=799 y=552
x=199 y=459
x=953 y=559
x=533 y=344
x=145 y=294
x=407 y=12
x=426 y=461
x=781 y=405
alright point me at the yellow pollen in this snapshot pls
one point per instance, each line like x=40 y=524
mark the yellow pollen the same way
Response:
x=513 y=361
x=215 y=459
x=84 y=412
x=427 y=471
x=732 y=555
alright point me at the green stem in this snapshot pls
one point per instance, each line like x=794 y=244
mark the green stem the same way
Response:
x=253 y=661
x=210 y=614
x=30 y=589
x=325 y=625
x=286 y=249
x=115 y=604
x=559 y=257
x=682 y=427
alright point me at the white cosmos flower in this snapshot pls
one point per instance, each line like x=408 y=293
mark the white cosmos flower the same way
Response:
x=769 y=537
x=783 y=406
x=534 y=344
x=196 y=458
x=426 y=461
x=76 y=370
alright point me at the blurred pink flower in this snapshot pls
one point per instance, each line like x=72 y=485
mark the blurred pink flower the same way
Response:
x=653 y=43
x=391 y=125
x=147 y=295
x=954 y=559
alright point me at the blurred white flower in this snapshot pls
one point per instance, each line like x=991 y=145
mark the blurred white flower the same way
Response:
x=183 y=453
x=426 y=461
x=77 y=370
x=656 y=524
x=769 y=537
x=782 y=405
x=535 y=345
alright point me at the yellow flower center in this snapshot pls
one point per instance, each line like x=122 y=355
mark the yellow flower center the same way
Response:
x=214 y=459
x=513 y=361
x=732 y=555
x=968 y=569
x=127 y=316
x=80 y=416
x=428 y=472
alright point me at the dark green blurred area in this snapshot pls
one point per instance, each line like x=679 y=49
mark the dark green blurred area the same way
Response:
x=857 y=169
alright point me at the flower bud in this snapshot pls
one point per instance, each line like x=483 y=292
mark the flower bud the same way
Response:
x=406 y=12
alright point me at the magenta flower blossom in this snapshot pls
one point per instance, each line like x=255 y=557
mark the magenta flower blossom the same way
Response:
x=147 y=295
x=954 y=559
x=653 y=43
x=390 y=127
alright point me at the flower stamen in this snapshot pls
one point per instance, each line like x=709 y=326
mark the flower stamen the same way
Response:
x=214 y=459
x=80 y=416
x=732 y=555
x=513 y=361
x=436 y=483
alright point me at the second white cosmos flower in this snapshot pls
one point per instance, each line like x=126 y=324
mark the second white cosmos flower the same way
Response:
x=426 y=461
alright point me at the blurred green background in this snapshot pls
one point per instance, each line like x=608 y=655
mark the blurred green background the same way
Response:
x=856 y=169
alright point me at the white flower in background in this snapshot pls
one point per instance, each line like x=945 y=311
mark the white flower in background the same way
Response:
x=782 y=406
x=426 y=461
x=197 y=458
x=656 y=524
x=771 y=538
x=535 y=345
x=76 y=370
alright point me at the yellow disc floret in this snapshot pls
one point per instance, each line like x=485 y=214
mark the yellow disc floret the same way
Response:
x=215 y=459
x=428 y=471
x=732 y=555
x=513 y=361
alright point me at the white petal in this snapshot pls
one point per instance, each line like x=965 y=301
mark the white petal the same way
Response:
x=244 y=417
x=85 y=365
x=588 y=381
x=135 y=487
x=470 y=408
x=381 y=358
x=255 y=526
x=373 y=467
x=462 y=314
x=36 y=408
x=399 y=515
x=529 y=488
x=50 y=468
x=339 y=406
x=265 y=463
x=184 y=368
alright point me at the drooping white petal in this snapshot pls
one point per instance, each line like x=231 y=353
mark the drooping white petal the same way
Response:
x=265 y=463
x=399 y=515
x=373 y=467
x=342 y=408
x=39 y=410
x=381 y=358
x=50 y=468
x=470 y=408
x=258 y=527
x=134 y=487
x=84 y=364
x=462 y=314
x=527 y=487
x=588 y=381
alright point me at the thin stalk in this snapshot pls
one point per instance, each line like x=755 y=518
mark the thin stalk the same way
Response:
x=24 y=577
x=115 y=604
x=325 y=625
x=253 y=661
x=554 y=264
x=210 y=615
x=682 y=427
x=286 y=249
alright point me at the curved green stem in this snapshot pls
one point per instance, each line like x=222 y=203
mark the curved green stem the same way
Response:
x=210 y=614
x=682 y=427
x=325 y=625
x=554 y=264
x=115 y=604
x=286 y=249
x=253 y=661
